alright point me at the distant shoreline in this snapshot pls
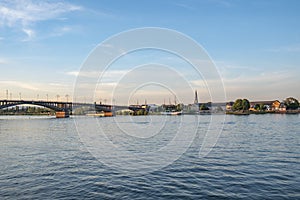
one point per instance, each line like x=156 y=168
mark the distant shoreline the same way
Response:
x=203 y=113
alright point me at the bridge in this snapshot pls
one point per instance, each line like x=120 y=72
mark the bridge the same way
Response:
x=64 y=109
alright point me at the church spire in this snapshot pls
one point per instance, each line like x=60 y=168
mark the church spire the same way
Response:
x=196 y=97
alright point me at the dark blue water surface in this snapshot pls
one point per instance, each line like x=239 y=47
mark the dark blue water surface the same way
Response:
x=256 y=157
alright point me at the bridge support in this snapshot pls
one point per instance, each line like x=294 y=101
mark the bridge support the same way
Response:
x=62 y=114
x=108 y=114
x=105 y=114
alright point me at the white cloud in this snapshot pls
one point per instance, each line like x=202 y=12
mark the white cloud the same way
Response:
x=73 y=73
x=58 y=85
x=86 y=74
x=25 y=13
x=30 y=34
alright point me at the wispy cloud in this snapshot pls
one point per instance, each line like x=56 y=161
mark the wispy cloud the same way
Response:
x=288 y=49
x=256 y=83
x=19 y=84
x=224 y=3
x=26 y=13
x=30 y=34
x=3 y=61
x=231 y=71
x=185 y=6
x=86 y=74
x=73 y=73
x=264 y=85
x=110 y=75
x=61 y=31
x=30 y=90
x=270 y=78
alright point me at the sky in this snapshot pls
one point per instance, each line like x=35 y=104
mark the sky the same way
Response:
x=254 y=45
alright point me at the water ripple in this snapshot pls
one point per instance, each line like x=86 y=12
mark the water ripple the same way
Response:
x=254 y=158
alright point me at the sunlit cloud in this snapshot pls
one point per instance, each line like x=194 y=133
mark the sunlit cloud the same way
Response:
x=73 y=73
x=30 y=90
x=19 y=84
x=107 y=76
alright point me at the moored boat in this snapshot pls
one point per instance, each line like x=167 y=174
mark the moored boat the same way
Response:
x=171 y=113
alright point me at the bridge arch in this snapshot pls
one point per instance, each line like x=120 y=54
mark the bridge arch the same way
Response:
x=55 y=106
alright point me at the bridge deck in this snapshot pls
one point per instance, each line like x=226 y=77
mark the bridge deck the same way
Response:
x=68 y=106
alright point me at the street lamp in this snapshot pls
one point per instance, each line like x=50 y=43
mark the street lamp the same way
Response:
x=47 y=96
x=20 y=95
x=67 y=96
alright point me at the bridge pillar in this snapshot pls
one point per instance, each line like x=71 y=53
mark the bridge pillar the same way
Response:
x=108 y=114
x=62 y=114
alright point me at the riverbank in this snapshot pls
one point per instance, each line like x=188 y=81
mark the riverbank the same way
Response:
x=158 y=113
x=262 y=112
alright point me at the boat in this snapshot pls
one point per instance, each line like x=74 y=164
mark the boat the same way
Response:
x=171 y=113
x=171 y=110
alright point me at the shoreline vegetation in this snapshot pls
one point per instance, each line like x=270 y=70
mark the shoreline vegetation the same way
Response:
x=261 y=112
x=243 y=107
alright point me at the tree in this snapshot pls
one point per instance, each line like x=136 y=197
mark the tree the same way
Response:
x=245 y=104
x=240 y=104
x=291 y=103
x=260 y=107
x=237 y=105
x=257 y=107
x=204 y=107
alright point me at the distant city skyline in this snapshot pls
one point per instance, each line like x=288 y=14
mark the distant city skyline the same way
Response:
x=255 y=46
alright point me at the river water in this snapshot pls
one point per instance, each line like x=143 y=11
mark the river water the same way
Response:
x=254 y=157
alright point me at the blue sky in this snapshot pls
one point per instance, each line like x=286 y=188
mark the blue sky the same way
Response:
x=254 y=44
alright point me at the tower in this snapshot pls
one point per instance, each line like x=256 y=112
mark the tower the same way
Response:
x=196 y=97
